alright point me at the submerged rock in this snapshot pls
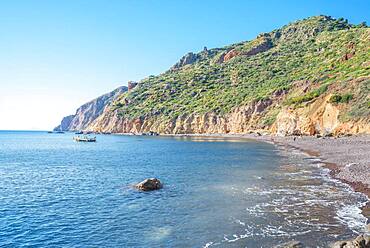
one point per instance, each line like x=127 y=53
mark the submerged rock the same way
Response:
x=149 y=184
x=290 y=244
x=362 y=241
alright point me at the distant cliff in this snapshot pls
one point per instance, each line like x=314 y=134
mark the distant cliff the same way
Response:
x=308 y=77
x=88 y=112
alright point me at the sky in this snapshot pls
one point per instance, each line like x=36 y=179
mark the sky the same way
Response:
x=57 y=55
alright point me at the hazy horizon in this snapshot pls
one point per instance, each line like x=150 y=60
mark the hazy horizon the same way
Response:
x=57 y=56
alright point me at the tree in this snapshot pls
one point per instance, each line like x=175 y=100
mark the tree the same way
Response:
x=362 y=25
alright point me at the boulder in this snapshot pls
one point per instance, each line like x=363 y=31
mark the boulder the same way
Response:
x=149 y=184
x=131 y=85
x=362 y=241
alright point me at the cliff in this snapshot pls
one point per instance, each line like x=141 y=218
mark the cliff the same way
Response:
x=308 y=77
x=88 y=112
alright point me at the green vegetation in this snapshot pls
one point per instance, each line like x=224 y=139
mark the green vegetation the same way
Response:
x=270 y=118
x=341 y=98
x=310 y=53
x=360 y=105
x=309 y=96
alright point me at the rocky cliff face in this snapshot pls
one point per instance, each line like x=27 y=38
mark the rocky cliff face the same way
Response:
x=88 y=112
x=309 y=77
x=188 y=59
x=263 y=44
x=319 y=117
x=64 y=125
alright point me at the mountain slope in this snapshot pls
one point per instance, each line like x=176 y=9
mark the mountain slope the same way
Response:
x=88 y=112
x=311 y=76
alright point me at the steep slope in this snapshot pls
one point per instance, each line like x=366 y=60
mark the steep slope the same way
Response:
x=311 y=76
x=88 y=112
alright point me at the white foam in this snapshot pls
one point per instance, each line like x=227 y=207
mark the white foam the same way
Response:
x=235 y=238
x=240 y=222
x=209 y=244
x=351 y=216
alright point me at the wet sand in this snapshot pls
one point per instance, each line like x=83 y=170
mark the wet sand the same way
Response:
x=348 y=158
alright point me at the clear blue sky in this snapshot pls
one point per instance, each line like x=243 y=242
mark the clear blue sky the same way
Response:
x=56 y=55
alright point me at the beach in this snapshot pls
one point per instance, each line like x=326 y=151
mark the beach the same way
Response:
x=348 y=158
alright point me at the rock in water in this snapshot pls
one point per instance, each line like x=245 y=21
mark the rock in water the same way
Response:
x=149 y=184
x=362 y=241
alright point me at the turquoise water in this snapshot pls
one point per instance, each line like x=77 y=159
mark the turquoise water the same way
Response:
x=217 y=192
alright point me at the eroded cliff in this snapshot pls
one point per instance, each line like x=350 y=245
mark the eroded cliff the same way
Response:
x=88 y=112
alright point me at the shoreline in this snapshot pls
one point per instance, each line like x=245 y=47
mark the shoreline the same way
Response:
x=334 y=170
x=331 y=155
x=335 y=153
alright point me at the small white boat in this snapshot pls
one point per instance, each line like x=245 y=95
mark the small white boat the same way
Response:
x=84 y=138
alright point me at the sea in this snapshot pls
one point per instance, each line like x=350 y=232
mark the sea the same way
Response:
x=218 y=192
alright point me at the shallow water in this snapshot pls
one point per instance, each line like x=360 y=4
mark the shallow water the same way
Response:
x=218 y=193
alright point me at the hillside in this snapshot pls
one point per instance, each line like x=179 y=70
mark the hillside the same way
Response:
x=308 y=77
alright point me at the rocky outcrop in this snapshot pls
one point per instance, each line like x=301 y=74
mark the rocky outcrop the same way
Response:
x=131 y=85
x=88 y=112
x=229 y=55
x=298 y=32
x=64 y=125
x=351 y=51
x=319 y=117
x=263 y=46
x=187 y=59
x=362 y=241
x=149 y=184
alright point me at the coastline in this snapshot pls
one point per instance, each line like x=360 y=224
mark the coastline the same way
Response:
x=347 y=158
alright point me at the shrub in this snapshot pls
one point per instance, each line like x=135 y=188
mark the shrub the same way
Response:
x=309 y=96
x=335 y=98
x=347 y=97
x=341 y=98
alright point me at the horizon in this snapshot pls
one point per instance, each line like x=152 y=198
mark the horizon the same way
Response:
x=58 y=56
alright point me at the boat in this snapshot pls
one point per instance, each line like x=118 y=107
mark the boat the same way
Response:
x=80 y=132
x=84 y=138
x=151 y=133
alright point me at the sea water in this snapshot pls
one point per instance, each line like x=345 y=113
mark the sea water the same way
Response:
x=218 y=192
